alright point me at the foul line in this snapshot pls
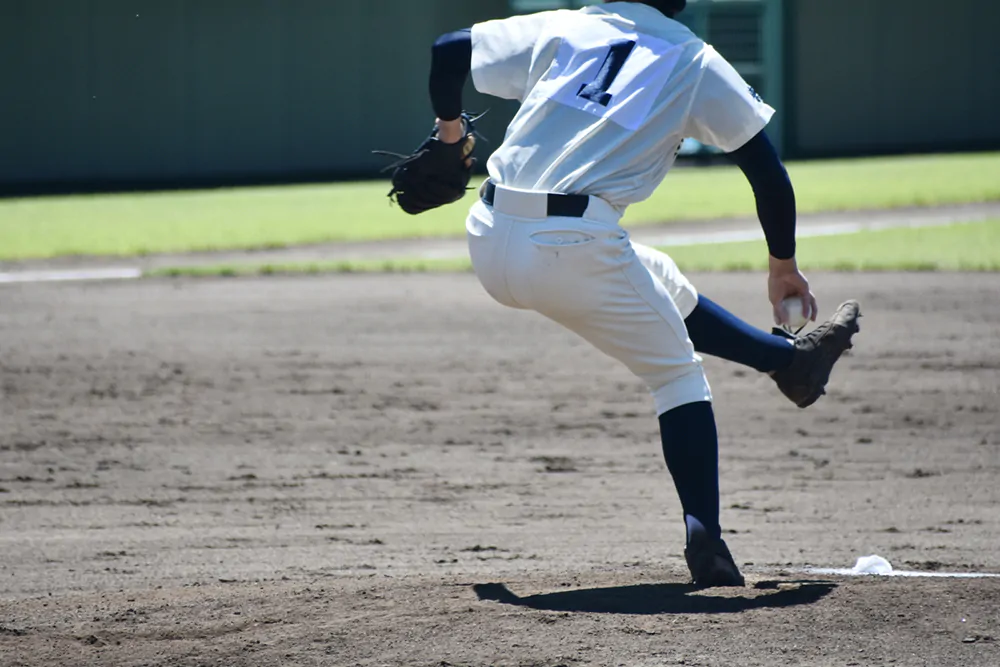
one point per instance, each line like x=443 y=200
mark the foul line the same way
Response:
x=67 y=276
x=848 y=572
x=805 y=231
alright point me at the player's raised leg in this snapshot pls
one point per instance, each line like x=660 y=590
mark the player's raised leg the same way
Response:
x=801 y=366
x=716 y=331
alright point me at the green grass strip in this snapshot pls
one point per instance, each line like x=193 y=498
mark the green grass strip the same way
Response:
x=830 y=185
x=312 y=268
x=275 y=217
x=971 y=246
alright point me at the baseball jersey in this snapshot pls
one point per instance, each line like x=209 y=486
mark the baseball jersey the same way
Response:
x=607 y=93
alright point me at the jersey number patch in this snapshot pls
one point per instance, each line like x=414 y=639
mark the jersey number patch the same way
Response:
x=612 y=75
x=597 y=90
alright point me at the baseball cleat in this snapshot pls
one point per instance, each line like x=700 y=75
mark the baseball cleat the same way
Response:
x=804 y=381
x=710 y=563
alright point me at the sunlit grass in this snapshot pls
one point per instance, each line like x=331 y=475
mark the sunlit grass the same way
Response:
x=275 y=217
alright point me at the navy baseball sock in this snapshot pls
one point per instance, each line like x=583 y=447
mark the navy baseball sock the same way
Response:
x=716 y=331
x=691 y=448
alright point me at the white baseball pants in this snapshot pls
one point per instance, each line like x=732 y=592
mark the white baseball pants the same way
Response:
x=626 y=299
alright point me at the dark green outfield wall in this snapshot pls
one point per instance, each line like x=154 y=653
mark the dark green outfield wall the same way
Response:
x=121 y=93
x=188 y=91
x=876 y=76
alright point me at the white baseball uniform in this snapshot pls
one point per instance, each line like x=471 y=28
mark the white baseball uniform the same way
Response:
x=607 y=93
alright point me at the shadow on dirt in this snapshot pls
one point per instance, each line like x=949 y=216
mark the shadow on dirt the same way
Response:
x=661 y=598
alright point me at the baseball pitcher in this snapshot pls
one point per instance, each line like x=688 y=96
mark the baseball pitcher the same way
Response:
x=607 y=94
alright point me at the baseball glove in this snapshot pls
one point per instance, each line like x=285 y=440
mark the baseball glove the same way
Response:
x=436 y=173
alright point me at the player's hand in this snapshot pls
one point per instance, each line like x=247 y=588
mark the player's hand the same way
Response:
x=784 y=280
x=451 y=132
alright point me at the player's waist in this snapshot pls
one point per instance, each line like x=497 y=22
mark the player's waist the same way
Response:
x=536 y=204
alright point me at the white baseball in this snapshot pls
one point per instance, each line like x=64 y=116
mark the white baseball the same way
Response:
x=797 y=310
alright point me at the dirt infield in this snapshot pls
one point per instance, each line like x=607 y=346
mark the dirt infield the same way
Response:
x=372 y=470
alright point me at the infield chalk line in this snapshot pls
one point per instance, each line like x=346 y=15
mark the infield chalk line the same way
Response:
x=833 y=229
x=67 y=276
x=848 y=572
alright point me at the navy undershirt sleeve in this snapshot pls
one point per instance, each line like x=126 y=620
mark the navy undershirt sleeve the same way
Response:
x=773 y=191
x=451 y=62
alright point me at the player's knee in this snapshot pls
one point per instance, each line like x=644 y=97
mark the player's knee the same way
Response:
x=689 y=387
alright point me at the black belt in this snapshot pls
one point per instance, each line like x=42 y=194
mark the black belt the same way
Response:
x=559 y=205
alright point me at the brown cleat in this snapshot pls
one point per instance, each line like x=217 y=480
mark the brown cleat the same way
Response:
x=804 y=381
